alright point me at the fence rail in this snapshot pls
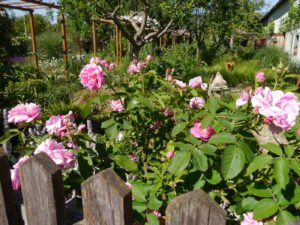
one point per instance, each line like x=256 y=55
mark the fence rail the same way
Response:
x=106 y=199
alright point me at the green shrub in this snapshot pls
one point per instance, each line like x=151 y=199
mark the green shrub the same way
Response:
x=271 y=56
x=49 y=45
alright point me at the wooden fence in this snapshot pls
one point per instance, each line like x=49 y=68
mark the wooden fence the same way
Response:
x=106 y=199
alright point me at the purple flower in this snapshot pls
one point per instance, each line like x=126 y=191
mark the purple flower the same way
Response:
x=197 y=103
x=197 y=82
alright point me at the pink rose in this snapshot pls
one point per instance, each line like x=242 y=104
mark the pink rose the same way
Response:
x=248 y=220
x=170 y=154
x=64 y=158
x=157 y=213
x=95 y=60
x=62 y=124
x=105 y=63
x=132 y=69
x=278 y=107
x=117 y=105
x=133 y=156
x=204 y=134
x=197 y=82
x=197 y=103
x=149 y=58
x=140 y=65
x=92 y=77
x=155 y=125
x=129 y=185
x=179 y=83
x=14 y=173
x=168 y=112
x=244 y=98
x=112 y=66
x=260 y=77
x=81 y=127
x=24 y=113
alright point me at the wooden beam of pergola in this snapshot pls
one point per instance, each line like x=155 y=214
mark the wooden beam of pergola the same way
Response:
x=50 y=5
x=15 y=7
x=33 y=6
x=12 y=3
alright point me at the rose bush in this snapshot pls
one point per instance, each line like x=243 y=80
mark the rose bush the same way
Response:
x=165 y=138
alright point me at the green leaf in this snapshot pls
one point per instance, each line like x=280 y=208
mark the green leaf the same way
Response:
x=178 y=129
x=207 y=121
x=139 y=191
x=222 y=138
x=213 y=105
x=147 y=102
x=139 y=206
x=259 y=162
x=86 y=109
x=233 y=162
x=247 y=150
x=273 y=148
x=249 y=203
x=263 y=192
x=229 y=126
x=154 y=203
x=179 y=162
x=107 y=123
x=9 y=135
x=264 y=209
x=208 y=149
x=289 y=150
x=125 y=162
x=214 y=177
x=85 y=165
x=112 y=132
x=281 y=172
x=152 y=219
x=285 y=217
x=295 y=165
x=200 y=160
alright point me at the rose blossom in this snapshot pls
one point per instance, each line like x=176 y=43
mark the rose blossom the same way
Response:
x=157 y=213
x=95 y=60
x=168 y=112
x=155 y=125
x=140 y=65
x=14 y=173
x=204 y=134
x=281 y=109
x=120 y=136
x=117 y=105
x=197 y=103
x=92 y=77
x=132 y=69
x=197 y=82
x=260 y=77
x=133 y=156
x=61 y=124
x=24 y=113
x=248 y=220
x=244 y=98
x=112 y=66
x=105 y=63
x=149 y=58
x=64 y=158
x=170 y=154
x=81 y=127
x=179 y=83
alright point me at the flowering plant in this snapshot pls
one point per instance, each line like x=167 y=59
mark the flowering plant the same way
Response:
x=165 y=137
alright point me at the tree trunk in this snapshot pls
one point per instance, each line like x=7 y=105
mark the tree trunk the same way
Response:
x=135 y=51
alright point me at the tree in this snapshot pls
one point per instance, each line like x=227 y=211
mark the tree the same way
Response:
x=137 y=33
x=5 y=31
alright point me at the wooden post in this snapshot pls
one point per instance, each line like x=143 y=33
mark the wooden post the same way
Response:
x=64 y=43
x=165 y=40
x=42 y=189
x=8 y=211
x=117 y=44
x=120 y=47
x=160 y=42
x=94 y=38
x=106 y=200
x=33 y=40
x=195 y=208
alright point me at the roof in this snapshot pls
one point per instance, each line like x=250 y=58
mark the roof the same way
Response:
x=279 y=3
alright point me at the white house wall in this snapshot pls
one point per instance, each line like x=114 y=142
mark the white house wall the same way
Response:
x=280 y=13
x=290 y=43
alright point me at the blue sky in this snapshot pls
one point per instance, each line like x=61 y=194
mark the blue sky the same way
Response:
x=269 y=4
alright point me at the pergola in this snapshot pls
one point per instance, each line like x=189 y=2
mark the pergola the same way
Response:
x=118 y=37
x=29 y=6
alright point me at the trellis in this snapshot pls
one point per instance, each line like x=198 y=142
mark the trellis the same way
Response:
x=29 y=6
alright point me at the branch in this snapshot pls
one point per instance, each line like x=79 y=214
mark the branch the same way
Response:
x=145 y=17
x=159 y=33
x=133 y=23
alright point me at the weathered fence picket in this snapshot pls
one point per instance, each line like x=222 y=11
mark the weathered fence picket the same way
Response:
x=106 y=199
x=42 y=191
x=8 y=211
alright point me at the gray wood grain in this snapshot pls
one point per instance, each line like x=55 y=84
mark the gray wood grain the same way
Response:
x=195 y=208
x=42 y=190
x=8 y=210
x=106 y=200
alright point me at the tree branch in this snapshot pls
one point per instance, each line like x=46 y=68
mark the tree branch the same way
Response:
x=157 y=34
